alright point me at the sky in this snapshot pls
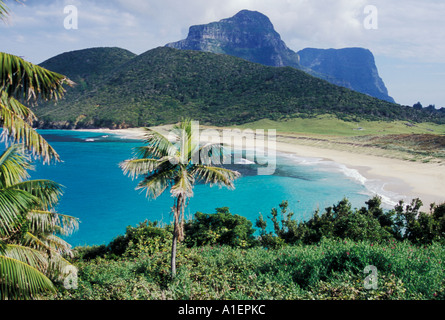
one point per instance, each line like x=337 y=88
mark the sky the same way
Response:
x=407 y=37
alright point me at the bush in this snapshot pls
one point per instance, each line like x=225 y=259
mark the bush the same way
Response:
x=337 y=222
x=146 y=237
x=222 y=227
x=419 y=227
x=360 y=227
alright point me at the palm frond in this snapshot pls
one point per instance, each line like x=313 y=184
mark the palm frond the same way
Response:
x=216 y=175
x=156 y=183
x=20 y=131
x=4 y=11
x=46 y=222
x=55 y=249
x=187 y=141
x=26 y=81
x=183 y=184
x=48 y=192
x=28 y=255
x=136 y=167
x=212 y=154
x=17 y=108
x=13 y=205
x=19 y=280
x=14 y=164
x=158 y=145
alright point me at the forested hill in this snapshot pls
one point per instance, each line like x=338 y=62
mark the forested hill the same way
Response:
x=160 y=86
x=88 y=65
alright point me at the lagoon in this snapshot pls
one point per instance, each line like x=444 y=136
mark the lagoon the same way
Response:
x=97 y=192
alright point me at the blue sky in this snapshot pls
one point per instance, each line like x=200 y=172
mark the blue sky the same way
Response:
x=408 y=44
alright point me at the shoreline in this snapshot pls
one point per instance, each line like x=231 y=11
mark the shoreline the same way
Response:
x=400 y=178
x=408 y=180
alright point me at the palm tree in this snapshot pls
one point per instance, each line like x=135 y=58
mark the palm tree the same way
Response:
x=30 y=249
x=31 y=252
x=166 y=163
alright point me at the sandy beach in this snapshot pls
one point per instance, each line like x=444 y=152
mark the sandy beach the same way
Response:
x=408 y=179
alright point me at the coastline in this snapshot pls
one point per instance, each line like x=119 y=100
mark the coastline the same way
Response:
x=404 y=180
x=409 y=180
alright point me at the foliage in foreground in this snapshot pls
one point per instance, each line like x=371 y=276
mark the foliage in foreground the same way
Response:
x=31 y=251
x=213 y=264
x=332 y=269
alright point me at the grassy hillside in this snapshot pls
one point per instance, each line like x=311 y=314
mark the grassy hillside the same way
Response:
x=329 y=125
x=165 y=84
x=423 y=142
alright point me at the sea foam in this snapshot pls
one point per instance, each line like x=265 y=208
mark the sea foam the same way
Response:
x=373 y=186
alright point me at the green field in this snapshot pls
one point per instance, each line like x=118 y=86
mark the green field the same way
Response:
x=332 y=126
x=420 y=142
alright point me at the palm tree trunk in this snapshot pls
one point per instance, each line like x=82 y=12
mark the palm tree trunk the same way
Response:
x=173 y=256
x=176 y=234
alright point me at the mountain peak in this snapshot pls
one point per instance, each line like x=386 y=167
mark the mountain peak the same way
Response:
x=248 y=34
x=248 y=17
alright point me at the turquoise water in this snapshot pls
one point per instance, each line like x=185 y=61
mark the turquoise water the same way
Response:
x=97 y=192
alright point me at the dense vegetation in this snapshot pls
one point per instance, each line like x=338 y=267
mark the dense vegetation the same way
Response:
x=321 y=258
x=164 y=85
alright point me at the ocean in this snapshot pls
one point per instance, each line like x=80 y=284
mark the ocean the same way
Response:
x=105 y=200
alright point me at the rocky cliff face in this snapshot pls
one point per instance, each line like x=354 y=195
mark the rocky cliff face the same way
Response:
x=353 y=68
x=250 y=35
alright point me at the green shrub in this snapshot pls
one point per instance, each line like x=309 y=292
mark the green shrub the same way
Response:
x=146 y=237
x=222 y=227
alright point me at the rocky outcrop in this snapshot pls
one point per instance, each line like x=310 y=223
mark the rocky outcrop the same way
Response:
x=249 y=35
x=353 y=68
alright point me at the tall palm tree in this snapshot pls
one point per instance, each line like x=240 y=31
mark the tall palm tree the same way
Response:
x=166 y=163
x=31 y=251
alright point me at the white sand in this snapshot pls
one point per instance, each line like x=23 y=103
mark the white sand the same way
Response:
x=411 y=179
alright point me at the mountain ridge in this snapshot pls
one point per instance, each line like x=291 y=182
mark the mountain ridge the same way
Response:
x=251 y=35
x=163 y=85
